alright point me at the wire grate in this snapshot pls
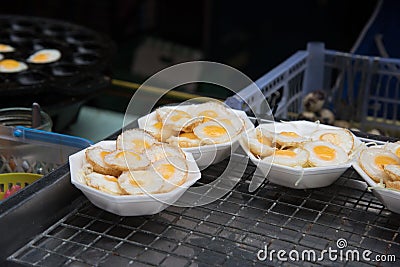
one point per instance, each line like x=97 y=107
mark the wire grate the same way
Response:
x=229 y=231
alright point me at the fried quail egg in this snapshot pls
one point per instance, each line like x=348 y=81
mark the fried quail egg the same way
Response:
x=260 y=144
x=95 y=157
x=135 y=139
x=212 y=132
x=394 y=148
x=184 y=140
x=178 y=120
x=140 y=182
x=393 y=172
x=340 y=137
x=11 y=66
x=160 y=151
x=4 y=48
x=289 y=138
x=125 y=160
x=44 y=56
x=106 y=183
x=373 y=160
x=322 y=153
x=157 y=129
x=210 y=110
x=393 y=185
x=289 y=157
x=173 y=170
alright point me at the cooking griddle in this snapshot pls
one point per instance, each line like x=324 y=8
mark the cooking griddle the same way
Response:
x=85 y=56
x=227 y=232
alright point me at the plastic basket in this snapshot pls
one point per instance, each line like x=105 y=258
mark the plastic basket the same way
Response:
x=7 y=180
x=363 y=90
x=34 y=151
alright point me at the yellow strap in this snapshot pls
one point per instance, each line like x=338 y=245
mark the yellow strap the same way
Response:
x=156 y=90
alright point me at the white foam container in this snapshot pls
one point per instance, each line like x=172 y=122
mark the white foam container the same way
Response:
x=388 y=197
x=207 y=155
x=298 y=178
x=128 y=205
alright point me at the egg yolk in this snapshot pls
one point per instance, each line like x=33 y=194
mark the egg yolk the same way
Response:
x=166 y=170
x=4 y=47
x=111 y=179
x=325 y=153
x=285 y=153
x=331 y=138
x=103 y=154
x=264 y=140
x=9 y=64
x=398 y=152
x=123 y=153
x=42 y=57
x=214 y=131
x=207 y=114
x=290 y=134
x=139 y=144
x=188 y=135
x=226 y=121
x=381 y=161
x=179 y=115
x=135 y=183
x=158 y=125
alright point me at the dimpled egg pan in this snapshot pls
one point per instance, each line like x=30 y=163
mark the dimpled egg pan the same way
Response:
x=85 y=54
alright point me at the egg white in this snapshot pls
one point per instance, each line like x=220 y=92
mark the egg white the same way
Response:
x=291 y=157
x=95 y=157
x=340 y=137
x=140 y=182
x=125 y=160
x=260 y=144
x=394 y=148
x=289 y=139
x=44 y=56
x=106 y=183
x=393 y=172
x=184 y=140
x=161 y=151
x=135 y=139
x=173 y=170
x=212 y=132
x=12 y=66
x=373 y=160
x=4 y=48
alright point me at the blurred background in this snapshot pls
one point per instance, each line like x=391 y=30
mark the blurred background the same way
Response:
x=252 y=36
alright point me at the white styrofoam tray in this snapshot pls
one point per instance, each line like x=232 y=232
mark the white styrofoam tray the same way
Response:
x=390 y=198
x=297 y=177
x=207 y=155
x=129 y=205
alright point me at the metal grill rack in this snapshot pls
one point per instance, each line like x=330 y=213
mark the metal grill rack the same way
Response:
x=227 y=232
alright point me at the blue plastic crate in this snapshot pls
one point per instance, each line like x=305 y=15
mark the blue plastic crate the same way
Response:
x=363 y=90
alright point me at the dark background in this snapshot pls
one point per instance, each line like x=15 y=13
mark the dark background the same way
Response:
x=253 y=36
